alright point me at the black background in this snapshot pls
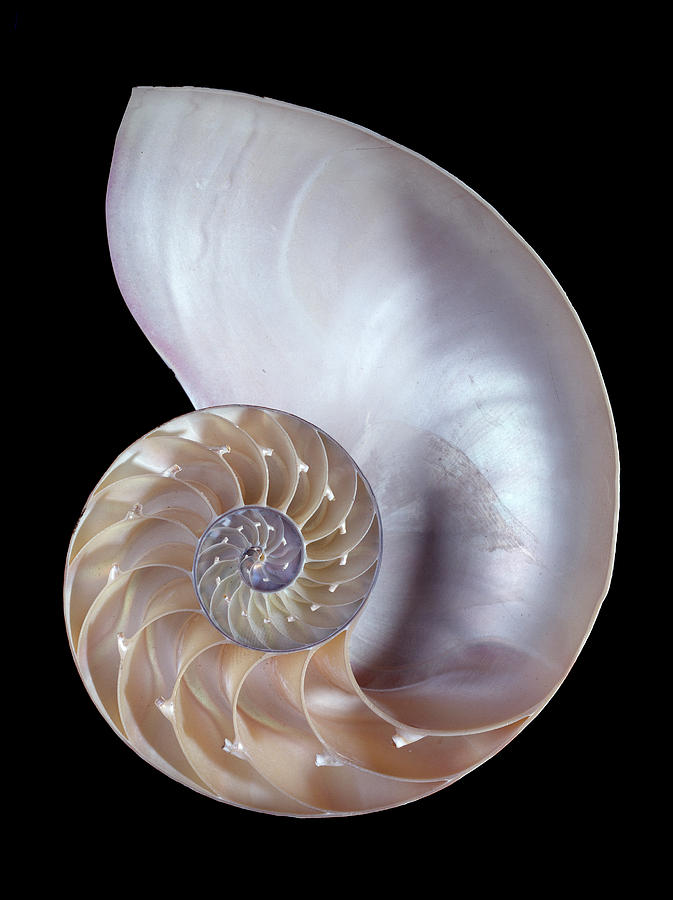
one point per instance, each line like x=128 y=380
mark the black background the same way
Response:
x=535 y=117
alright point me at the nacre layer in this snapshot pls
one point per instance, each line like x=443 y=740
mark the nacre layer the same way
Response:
x=449 y=534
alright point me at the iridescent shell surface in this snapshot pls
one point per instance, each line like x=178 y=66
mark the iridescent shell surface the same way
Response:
x=287 y=260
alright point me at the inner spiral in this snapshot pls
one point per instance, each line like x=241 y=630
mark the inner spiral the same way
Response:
x=294 y=563
x=256 y=545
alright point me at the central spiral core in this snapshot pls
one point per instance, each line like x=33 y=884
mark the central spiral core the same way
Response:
x=256 y=546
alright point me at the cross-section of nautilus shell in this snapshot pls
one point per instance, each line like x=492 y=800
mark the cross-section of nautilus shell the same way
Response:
x=373 y=552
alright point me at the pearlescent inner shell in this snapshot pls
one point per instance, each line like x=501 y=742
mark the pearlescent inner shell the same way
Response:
x=402 y=313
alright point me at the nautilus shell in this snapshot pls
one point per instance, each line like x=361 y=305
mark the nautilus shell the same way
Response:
x=372 y=553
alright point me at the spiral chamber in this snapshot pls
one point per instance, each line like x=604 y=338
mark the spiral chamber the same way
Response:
x=236 y=686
